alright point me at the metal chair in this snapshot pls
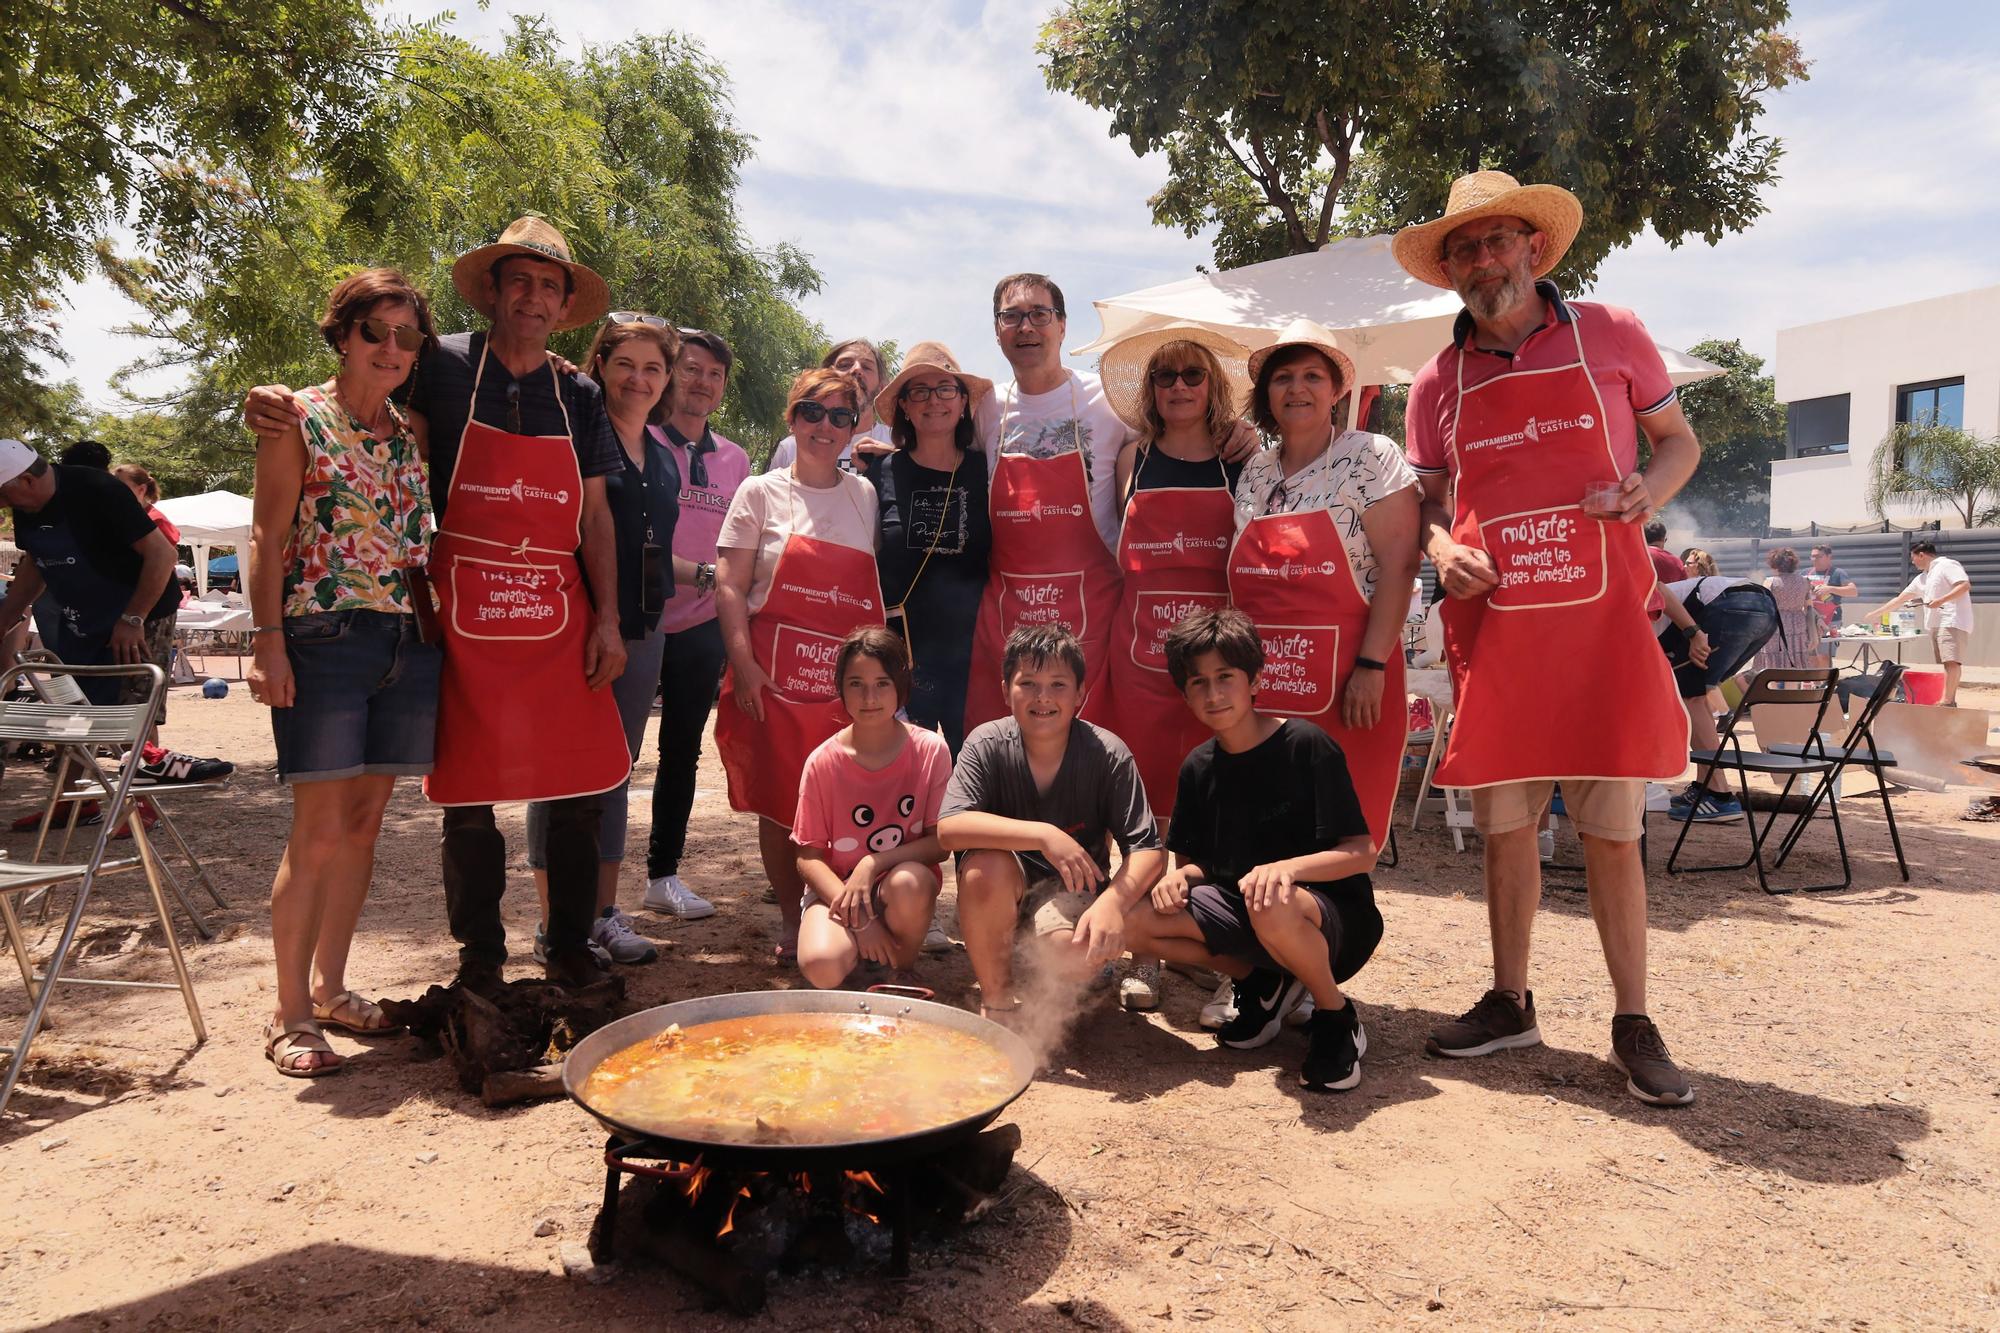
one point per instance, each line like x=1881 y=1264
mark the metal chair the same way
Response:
x=1858 y=748
x=86 y=728
x=1809 y=689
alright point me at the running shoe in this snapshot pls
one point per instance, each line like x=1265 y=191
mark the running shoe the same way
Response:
x=613 y=933
x=1337 y=1043
x=1139 y=989
x=1262 y=1000
x=1497 y=1023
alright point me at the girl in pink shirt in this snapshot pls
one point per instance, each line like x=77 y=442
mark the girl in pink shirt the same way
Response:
x=866 y=827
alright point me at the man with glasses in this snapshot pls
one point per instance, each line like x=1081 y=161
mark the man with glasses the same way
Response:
x=712 y=467
x=524 y=712
x=863 y=360
x=1524 y=433
x=1830 y=585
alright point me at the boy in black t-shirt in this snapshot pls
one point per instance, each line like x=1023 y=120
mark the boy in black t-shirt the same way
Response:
x=1270 y=883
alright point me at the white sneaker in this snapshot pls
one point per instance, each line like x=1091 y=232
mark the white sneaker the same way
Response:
x=1545 y=844
x=614 y=934
x=935 y=940
x=1221 y=1009
x=669 y=896
x=1140 y=988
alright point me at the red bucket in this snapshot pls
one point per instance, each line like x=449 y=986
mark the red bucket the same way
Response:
x=1923 y=685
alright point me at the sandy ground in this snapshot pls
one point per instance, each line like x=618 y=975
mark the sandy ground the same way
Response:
x=1838 y=1170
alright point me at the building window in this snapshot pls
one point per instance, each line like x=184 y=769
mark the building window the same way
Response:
x=1816 y=426
x=1933 y=403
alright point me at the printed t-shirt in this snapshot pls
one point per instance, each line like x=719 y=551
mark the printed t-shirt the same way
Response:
x=699 y=521
x=364 y=515
x=443 y=394
x=848 y=811
x=1356 y=472
x=104 y=518
x=770 y=507
x=787 y=451
x=1932 y=584
x=1288 y=796
x=1096 y=795
x=1046 y=425
x=1829 y=606
x=934 y=521
x=1624 y=362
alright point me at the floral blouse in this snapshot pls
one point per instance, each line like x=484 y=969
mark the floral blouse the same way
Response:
x=364 y=514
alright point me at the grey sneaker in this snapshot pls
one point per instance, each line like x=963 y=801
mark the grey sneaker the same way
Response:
x=1497 y=1023
x=669 y=896
x=597 y=951
x=614 y=934
x=1650 y=1073
x=1139 y=989
x=935 y=940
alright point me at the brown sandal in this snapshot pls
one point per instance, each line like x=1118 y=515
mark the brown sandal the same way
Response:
x=329 y=1015
x=287 y=1047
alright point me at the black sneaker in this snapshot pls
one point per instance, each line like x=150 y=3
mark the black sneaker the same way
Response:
x=160 y=765
x=1650 y=1073
x=482 y=978
x=1338 y=1041
x=1262 y=1000
x=1496 y=1023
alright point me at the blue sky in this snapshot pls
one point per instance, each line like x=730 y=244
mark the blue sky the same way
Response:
x=913 y=149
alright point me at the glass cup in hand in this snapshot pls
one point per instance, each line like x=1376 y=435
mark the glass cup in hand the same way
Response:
x=1601 y=499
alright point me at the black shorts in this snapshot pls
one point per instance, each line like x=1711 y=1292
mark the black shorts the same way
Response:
x=1348 y=920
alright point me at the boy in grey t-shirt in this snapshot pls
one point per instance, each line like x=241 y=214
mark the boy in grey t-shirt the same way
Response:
x=1033 y=804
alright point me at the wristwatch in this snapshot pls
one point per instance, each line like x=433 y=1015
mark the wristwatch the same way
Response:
x=136 y=622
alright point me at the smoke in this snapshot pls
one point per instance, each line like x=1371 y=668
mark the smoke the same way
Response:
x=1052 y=993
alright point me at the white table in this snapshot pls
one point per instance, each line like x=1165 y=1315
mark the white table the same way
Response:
x=1870 y=648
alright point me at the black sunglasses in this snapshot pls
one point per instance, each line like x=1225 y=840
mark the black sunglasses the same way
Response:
x=638 y=317
x=378 y=331
x=1192 y=376
x=843 y=418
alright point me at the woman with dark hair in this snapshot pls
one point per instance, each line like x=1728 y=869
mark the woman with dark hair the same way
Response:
x=933 y=533
x=1796 y=645
x=631 y=358
x=795 y=572
x=341 y=521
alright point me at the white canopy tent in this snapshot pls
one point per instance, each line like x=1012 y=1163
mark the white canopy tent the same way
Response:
x=1390 y=323
x=214 y=518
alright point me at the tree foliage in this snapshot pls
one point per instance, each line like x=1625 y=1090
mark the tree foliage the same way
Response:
x=255 y=159
x=1741 y=426
x=1286 y=123
x=1930 y=463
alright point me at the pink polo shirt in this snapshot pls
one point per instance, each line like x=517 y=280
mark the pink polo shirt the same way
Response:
x=700 y=522
x=1623 y=358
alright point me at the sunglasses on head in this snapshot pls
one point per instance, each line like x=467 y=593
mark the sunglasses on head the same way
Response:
x=408 y=337
x=843 y=418
x=1192 y=376
x=638 y=317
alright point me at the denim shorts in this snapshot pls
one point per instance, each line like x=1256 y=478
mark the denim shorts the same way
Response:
x=366 y=702
x=1737 y=624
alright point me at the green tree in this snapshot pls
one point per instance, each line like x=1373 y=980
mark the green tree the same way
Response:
x=1290 y=122
x=1927 y=462
x=1741 y=426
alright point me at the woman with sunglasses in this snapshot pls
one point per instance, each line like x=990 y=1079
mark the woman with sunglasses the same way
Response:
x=631 y=358
x=341 y=519
x=795 y=571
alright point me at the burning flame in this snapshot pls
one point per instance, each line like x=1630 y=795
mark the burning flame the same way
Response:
x=729 y=1219
x=695 y=1179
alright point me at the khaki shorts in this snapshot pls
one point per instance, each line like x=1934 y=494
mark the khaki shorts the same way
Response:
x=1950 y=643
x=1053 y=909
x=1610 y=808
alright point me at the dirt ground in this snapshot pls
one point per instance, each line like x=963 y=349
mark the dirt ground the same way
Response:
x=1839 y=1169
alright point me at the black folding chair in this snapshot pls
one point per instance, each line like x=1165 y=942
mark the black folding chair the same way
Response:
x=1858 y=749
x=1806 y=689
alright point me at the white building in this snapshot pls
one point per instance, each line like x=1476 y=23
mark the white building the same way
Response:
x=1846 y=382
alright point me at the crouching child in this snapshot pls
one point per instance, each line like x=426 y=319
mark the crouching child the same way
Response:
x=1270 y=881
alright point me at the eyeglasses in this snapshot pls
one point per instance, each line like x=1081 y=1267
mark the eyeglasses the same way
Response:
x=638 y=317
x=1192 y=376
x=514 y=407
x=843 y=418
x=1499 y=244
x=923 y=393
x=378 y=331
x=1040 y=316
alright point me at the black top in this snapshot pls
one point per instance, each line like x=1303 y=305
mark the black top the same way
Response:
x=1096 y=790
x=1154 y=470
x=1290 y=796
x=916 y=505
x=443 y=393
x=644 y=505
x=97 y=514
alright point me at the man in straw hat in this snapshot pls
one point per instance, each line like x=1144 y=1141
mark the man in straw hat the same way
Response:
x=518 y=454
x=1524 y=433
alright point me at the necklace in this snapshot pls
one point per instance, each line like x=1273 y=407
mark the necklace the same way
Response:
x=377 y=427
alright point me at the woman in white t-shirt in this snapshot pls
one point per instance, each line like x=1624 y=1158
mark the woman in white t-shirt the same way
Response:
x=795 y=572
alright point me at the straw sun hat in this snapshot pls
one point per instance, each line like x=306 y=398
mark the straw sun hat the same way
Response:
x=928 y=356
x=1306 y=333
x=534 y=237
x=1123 y=369
x=1419 y=248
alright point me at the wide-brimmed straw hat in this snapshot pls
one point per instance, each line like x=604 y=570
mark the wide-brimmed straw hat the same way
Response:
x=1123 y=369
x=1549 y=209
x=929 y=356
x=534 y=237
x=1306 y=333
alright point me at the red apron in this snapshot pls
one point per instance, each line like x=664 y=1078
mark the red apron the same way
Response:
x=1048 y=567
x=1174 y=552
x=1289 y=573
x=1572 y=683
x=819 y=591
x=516 y=721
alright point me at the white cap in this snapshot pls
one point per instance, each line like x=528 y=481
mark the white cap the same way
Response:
x=15 y=458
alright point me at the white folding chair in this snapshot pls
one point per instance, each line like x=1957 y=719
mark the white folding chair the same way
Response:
x=88 y=729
